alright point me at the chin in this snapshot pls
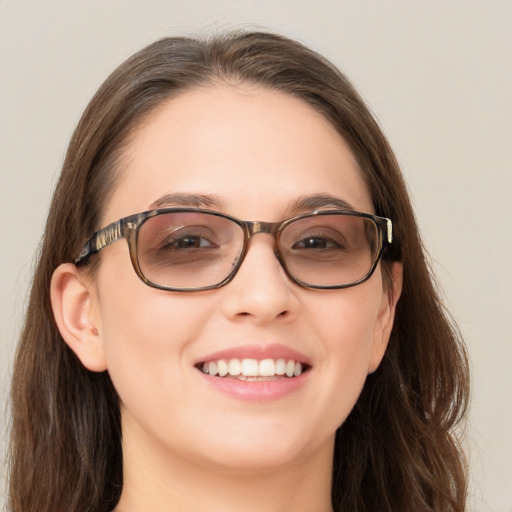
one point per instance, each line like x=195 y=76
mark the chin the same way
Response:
x=262 y=450
x=253 y=460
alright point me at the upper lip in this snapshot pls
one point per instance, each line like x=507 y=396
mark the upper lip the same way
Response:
x=257 y=351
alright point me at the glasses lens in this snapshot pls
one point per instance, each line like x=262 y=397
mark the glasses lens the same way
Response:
x=188 y=249
x=330 y=250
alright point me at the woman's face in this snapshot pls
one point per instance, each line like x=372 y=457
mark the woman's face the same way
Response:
x=254 y=153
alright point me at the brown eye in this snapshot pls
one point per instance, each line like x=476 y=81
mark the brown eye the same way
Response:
x=188 y=242
x=316 y=242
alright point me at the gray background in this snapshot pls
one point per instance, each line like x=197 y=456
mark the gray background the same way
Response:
x=438 y=76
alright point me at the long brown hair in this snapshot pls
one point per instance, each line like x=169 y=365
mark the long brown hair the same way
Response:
x=395 y=452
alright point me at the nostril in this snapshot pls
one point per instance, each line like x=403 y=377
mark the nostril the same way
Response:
x=283 y=314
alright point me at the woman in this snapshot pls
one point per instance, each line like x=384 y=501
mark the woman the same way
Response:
x=296 y=359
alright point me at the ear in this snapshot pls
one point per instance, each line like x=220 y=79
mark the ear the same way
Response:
x=386 y=316
x=72 y=300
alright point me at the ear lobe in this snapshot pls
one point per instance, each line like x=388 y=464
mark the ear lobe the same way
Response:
x=72 y=304
x=386 y=317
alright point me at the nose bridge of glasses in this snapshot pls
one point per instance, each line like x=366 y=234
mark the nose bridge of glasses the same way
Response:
x=255 y=227
x=269 y=228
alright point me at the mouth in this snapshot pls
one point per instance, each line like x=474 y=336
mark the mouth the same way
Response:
x=258 y=370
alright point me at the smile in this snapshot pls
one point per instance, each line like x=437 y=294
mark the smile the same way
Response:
x=253 y=369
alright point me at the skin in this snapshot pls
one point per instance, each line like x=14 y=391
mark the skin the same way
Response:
x=187 y=446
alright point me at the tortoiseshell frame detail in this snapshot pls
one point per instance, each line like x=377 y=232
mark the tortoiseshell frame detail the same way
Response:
x=128 y=228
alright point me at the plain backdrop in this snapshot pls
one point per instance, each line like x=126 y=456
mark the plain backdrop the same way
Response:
x=438 y=76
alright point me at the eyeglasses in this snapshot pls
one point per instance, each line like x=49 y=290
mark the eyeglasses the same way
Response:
x=190 y=249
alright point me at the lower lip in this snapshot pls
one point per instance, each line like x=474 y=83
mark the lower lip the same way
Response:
x=256 y=391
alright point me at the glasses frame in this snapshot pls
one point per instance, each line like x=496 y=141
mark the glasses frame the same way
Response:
x=128 y=228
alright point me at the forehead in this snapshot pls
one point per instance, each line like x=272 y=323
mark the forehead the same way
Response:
x=255 y=149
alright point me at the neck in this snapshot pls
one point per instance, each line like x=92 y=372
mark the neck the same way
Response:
x=158 y=481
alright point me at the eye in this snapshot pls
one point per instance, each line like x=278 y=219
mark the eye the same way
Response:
x=317 y=242
x=187 y=242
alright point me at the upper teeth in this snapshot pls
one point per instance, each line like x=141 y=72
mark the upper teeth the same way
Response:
x=253 y=367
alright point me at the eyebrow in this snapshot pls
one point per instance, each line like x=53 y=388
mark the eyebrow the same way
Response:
x=316 y=201
x=302 y=204
x=185 y=199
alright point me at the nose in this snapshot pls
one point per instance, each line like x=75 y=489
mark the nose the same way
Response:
x=261 y=291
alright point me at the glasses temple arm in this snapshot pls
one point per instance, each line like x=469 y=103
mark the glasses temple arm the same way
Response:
x=389 y=230
x=106 y=236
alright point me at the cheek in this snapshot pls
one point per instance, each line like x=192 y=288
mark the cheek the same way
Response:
x=136 y=317
x=146 y=333
x=347 y=324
